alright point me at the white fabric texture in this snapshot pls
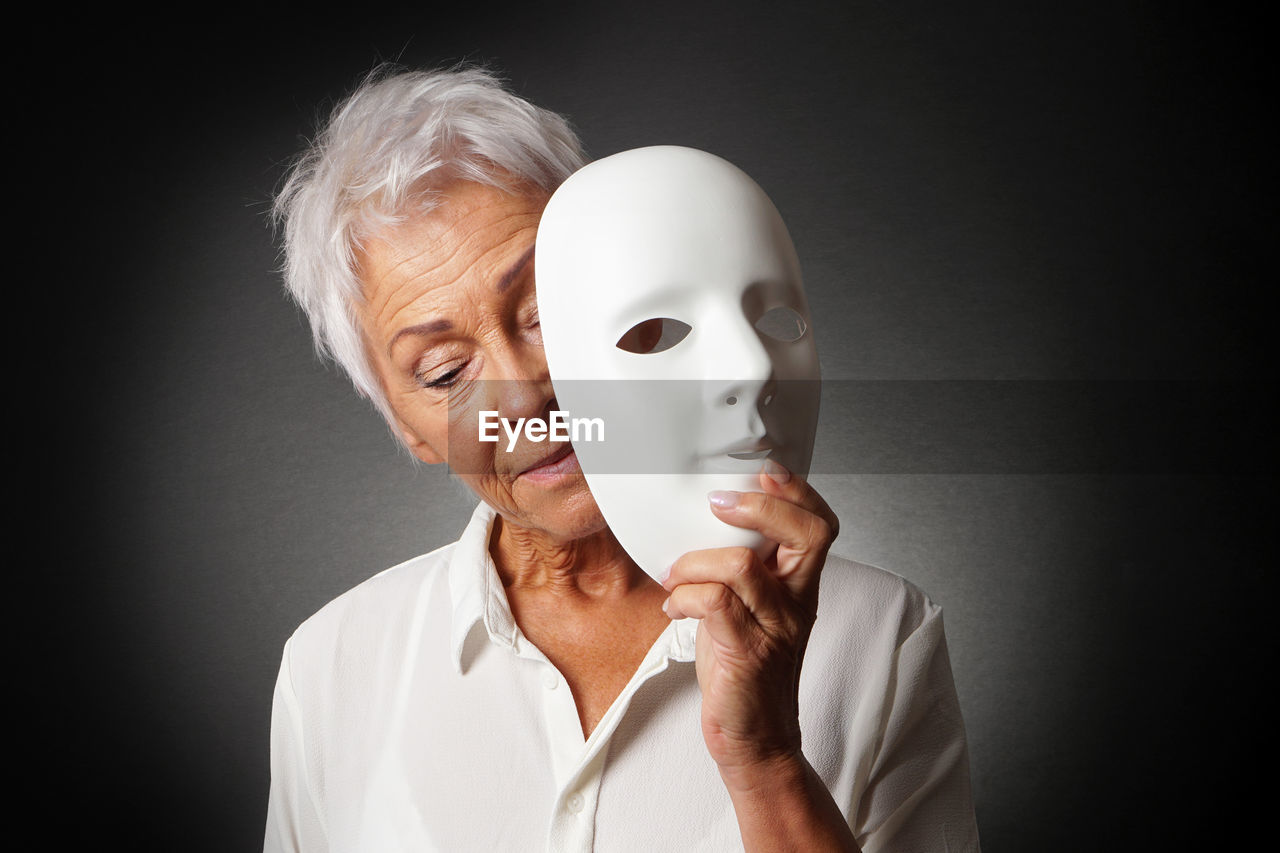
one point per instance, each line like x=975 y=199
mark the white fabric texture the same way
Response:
x=411 y=714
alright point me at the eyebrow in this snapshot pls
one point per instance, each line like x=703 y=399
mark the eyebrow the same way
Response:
x=431 y=328
x=510 y=275
x=434 y=327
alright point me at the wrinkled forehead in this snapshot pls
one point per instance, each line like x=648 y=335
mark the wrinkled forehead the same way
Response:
x=659 y=217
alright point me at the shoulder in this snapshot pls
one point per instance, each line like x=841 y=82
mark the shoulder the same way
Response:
x=359 y=629
x=861 y=599
x=877 y=656
x=871 y=624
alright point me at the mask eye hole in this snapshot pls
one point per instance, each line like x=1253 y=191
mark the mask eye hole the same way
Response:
x=656 y=335
x=782 y=324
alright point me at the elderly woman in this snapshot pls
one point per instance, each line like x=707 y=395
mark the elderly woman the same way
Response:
x=528 y=686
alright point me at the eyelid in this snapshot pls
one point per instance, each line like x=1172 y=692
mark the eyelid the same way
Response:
x=426 y=365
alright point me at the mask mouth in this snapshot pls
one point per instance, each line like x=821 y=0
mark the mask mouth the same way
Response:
x=751 y=449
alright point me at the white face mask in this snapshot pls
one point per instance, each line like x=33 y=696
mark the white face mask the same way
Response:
x=672 y=310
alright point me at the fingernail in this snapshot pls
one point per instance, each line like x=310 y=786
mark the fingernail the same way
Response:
x=665 y=574
x=724 y=500
x=776 y=472
x=665 y=604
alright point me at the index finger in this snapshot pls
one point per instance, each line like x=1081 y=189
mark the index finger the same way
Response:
x=777 y=480
x=793 y=527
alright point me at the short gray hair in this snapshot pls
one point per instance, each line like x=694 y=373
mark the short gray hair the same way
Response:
x=378 y=160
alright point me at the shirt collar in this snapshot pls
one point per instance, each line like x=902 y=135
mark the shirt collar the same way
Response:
x=475 y=588
x=477 y=596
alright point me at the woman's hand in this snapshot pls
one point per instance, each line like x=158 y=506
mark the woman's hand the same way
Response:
x=756 y=620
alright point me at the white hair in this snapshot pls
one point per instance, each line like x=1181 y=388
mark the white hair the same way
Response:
x=381 y=158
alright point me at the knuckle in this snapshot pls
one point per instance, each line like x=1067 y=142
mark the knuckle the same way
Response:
x=742 y=562
x=819 y=530
x=719 y=598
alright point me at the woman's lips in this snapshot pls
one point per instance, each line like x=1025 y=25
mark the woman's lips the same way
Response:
x=557 y=464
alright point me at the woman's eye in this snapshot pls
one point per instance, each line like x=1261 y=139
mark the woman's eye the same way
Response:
x=444 y=380
x=656 y=335
x=533 y=330
x=782 y=324
x=528 y=317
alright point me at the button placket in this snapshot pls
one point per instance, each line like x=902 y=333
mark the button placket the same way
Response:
x=579 y=766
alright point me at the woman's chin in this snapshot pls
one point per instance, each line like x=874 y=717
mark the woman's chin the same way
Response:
x=558 y=504
x=572 y=516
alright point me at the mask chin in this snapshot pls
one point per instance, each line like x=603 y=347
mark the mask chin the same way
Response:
x=657 y=518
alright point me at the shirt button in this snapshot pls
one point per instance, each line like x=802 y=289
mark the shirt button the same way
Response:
x=550 y=681
x=575 y=803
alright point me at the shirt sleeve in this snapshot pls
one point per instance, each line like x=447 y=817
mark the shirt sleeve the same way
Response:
x=917 y=798
x=294 y=824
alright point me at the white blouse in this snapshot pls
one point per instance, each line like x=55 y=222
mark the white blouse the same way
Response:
x=411 y=714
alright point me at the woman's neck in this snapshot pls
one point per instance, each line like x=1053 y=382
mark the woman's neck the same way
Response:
x=593 y=566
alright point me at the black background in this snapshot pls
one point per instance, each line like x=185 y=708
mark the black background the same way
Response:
x=977 y=191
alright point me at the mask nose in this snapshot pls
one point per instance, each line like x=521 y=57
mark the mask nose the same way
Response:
x=741 y=372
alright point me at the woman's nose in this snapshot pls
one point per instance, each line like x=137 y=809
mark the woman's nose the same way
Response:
x=521 y=382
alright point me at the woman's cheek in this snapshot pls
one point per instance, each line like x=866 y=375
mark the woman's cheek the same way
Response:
x=467 y=454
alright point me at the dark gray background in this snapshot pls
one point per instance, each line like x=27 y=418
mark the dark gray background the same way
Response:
x=977 y=191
